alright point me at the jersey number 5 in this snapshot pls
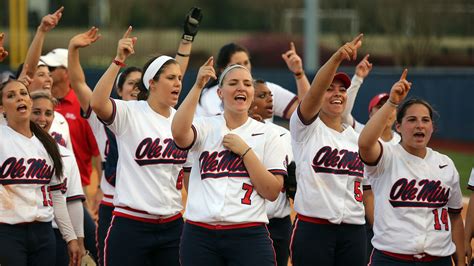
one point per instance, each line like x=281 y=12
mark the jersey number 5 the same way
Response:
x=47 y=199
x=357 y=191
x=248 y=192
x=443 y=218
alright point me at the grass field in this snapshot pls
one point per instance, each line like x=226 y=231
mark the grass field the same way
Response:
x=464 y=163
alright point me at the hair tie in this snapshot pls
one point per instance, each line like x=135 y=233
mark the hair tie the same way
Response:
x=153 y=68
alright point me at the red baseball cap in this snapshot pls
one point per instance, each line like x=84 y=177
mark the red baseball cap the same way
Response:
x=344 y=78
x=377 y=99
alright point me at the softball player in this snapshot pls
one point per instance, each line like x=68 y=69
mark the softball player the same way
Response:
x=210 y=104
x=147 y=223
x=414 y=187
x=43 y=115
x=468 y=229
x=26 y=201
x=329 y=227
x=278 y=212
x=238 y=163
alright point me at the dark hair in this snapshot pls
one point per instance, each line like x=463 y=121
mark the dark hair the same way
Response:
x=259 y=81
x=402 y=109
x=223 y=59
x=48 y=142
x=143 y=94
x=123 y=76
x=18 y=70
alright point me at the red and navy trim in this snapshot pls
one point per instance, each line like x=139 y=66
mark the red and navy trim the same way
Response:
x=300 y=116
x=288 y=107
x=192 y=143
x=378 y=158
x=76 y=197
x=109 y=121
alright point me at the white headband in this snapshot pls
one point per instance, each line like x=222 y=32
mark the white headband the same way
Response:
x=227 y=70
x=153 y=68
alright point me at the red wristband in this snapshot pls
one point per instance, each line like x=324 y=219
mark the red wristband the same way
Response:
x=118 y=63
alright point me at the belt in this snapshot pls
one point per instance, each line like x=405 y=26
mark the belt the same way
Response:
x=422 y=257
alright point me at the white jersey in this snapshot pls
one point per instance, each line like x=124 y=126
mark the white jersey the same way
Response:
x=26 y=172
x=470 y=184
x=329 y=172
x=71 y=185
x=280 y=208
x=413 y=196
x=211 y=104
x=149 y=162
x=220 y=190
x=60 y=131
x=98 y=129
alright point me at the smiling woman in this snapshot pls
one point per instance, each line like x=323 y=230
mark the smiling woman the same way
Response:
x=235 y=152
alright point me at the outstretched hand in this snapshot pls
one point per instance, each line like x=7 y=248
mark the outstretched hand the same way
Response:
x=3 y=52
x=206 y=72
x=292 y=60
x=50 y=21
x=349 y=50
x=364 y=67
x=126 y=45
x=85 y=39
x=400 y=89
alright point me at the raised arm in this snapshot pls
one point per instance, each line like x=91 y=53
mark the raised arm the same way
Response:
x=369 y=149
x=3 y=51
x=362 y=71
x=295 y=65
x=312 y=101
x=190 y=29
x=183 y=119
x=48 y=23
x=75 y=72
x=100 y=101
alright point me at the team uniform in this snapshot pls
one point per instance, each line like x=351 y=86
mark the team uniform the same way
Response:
x=470 y=184
x=72 y=189
x=60 y=131
x=415 y=193
x=225 y=216
x=26 y=212
x=109 y=154
x=147 y=222
x=329 y=229
x=210 y=104
x=278 y=211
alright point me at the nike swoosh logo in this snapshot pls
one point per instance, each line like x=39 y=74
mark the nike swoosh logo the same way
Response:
x=256 y=134
x=442 y=166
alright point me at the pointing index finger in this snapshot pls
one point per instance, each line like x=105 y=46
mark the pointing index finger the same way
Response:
x=357 y=39
x=59 y=11
x=127 y=33
x=292 y=46
x=404 y=74
x=210 y=61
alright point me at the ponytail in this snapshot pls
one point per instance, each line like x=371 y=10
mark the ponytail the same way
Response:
x=51 y=148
